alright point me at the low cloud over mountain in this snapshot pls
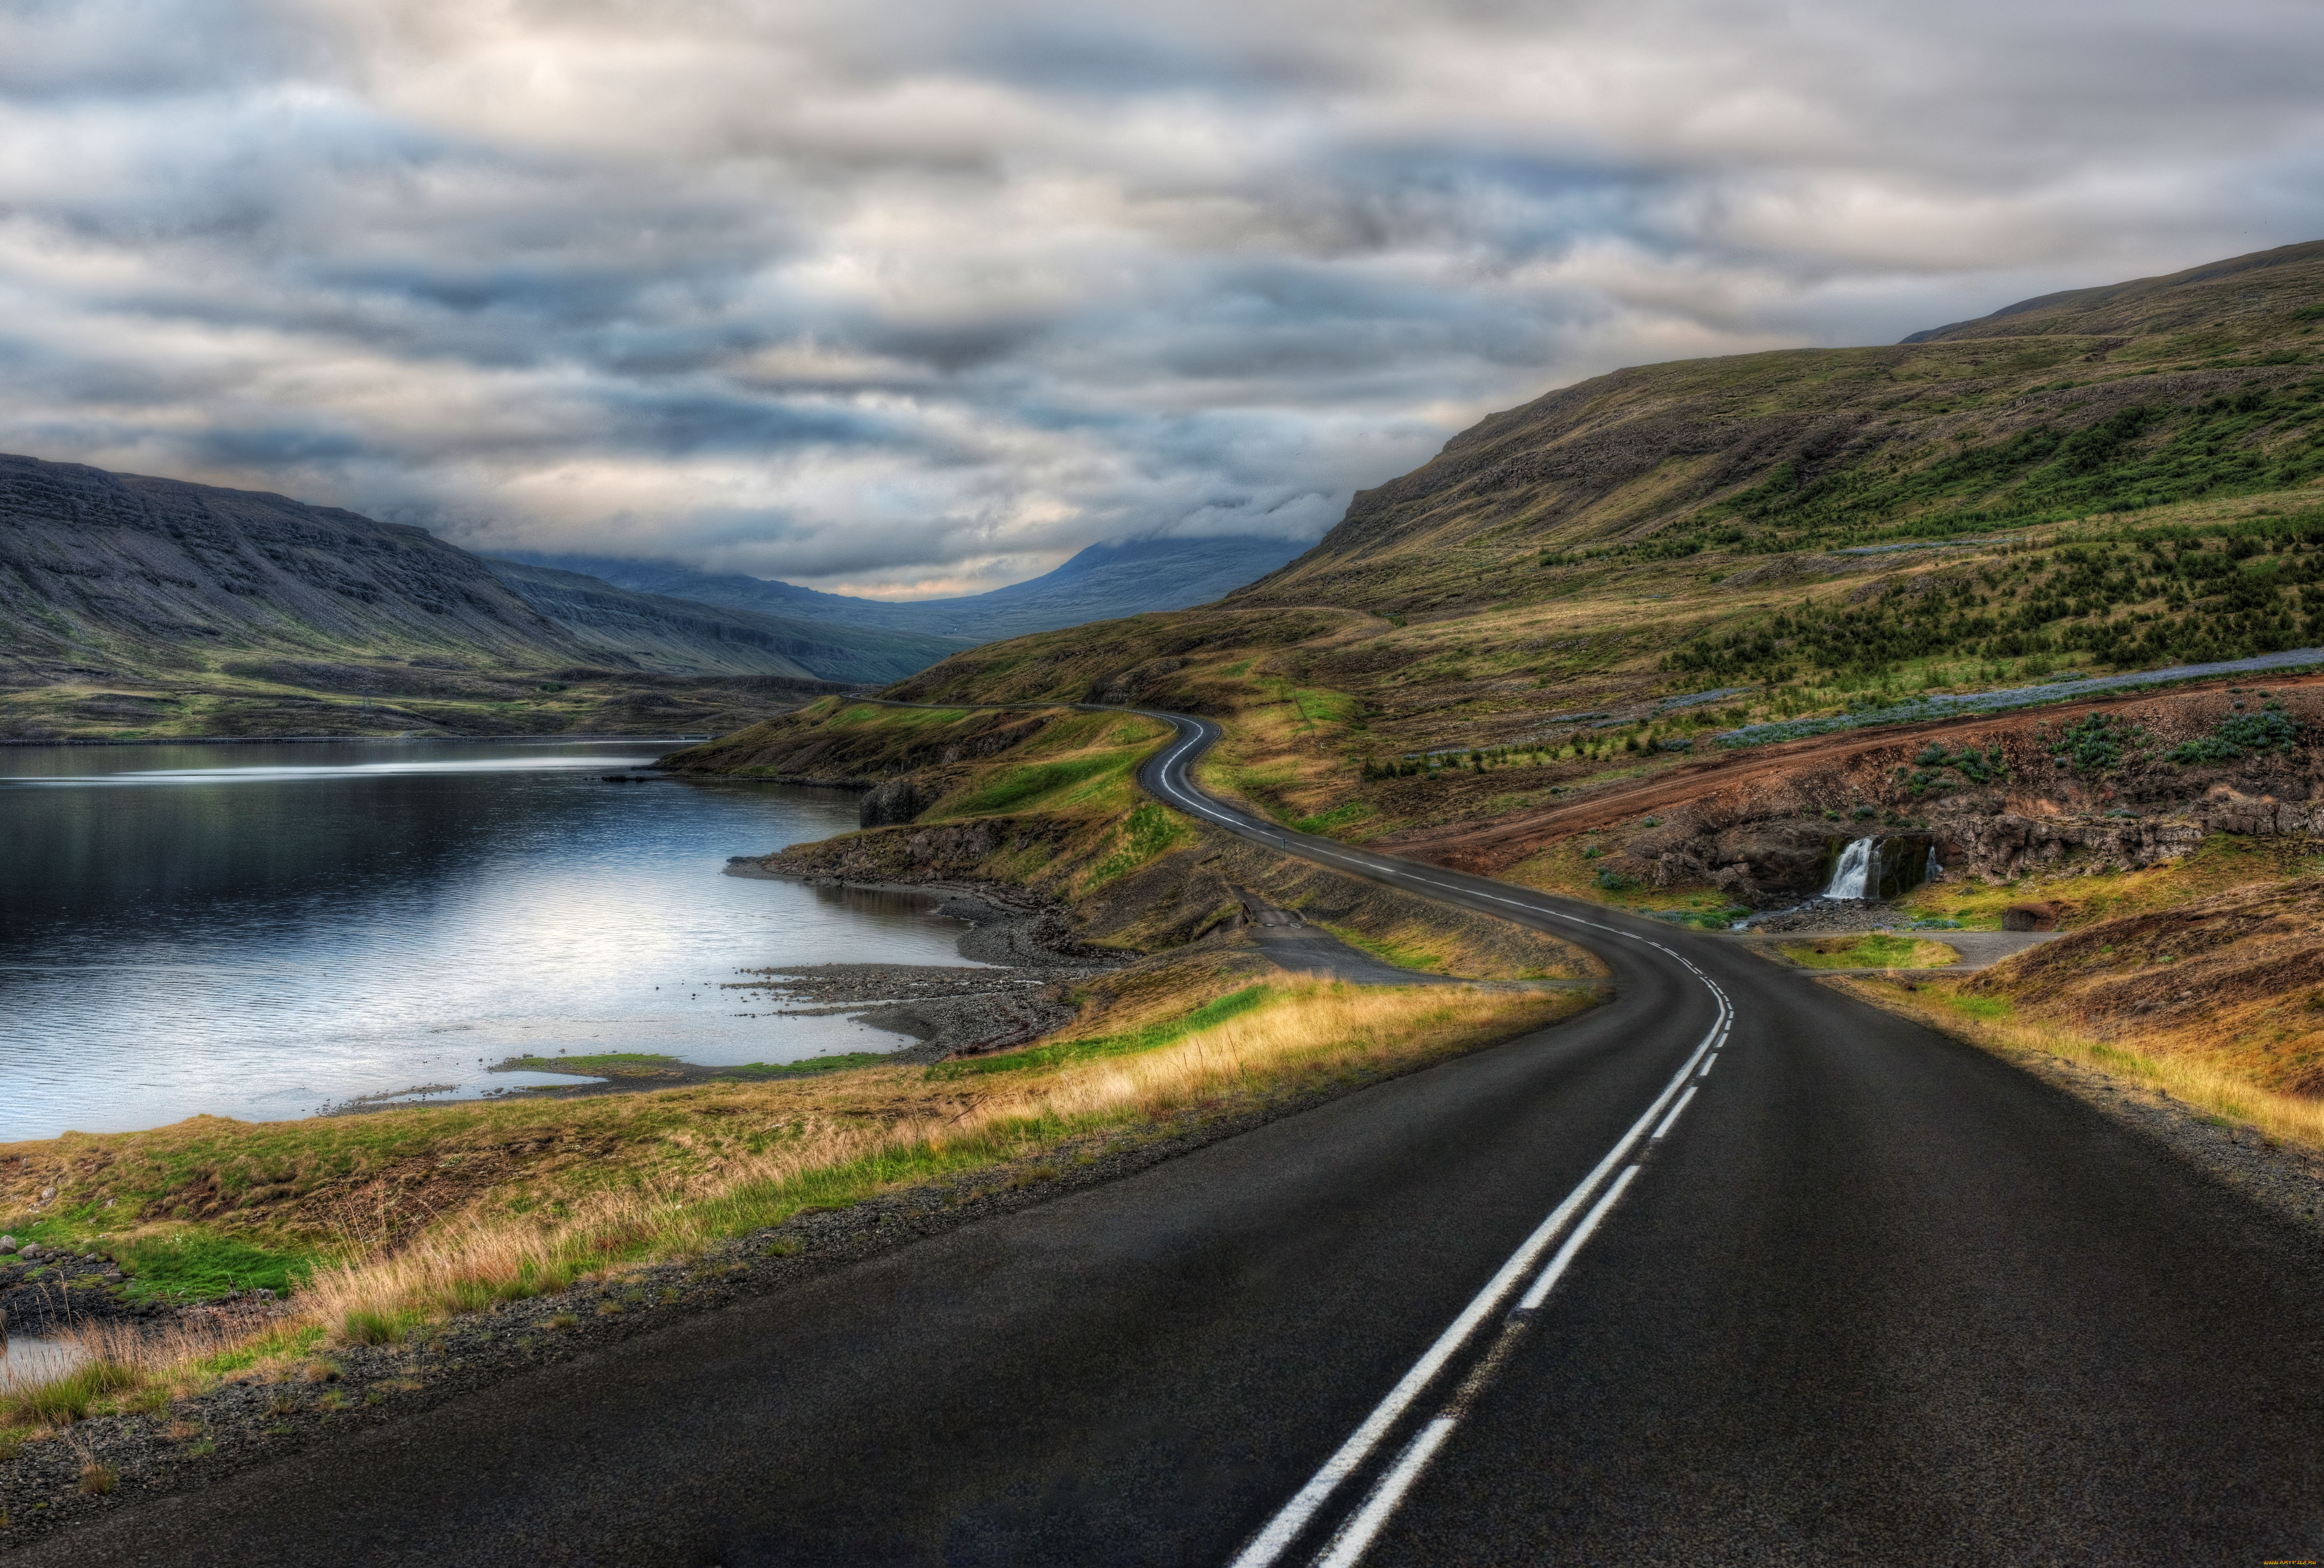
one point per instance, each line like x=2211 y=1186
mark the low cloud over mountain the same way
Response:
x=919 y=300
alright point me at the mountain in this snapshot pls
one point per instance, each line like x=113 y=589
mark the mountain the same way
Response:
x=684 y=637
x=2176 y=300
x=157 y=605
x=1102 y=582
x=2161 y=391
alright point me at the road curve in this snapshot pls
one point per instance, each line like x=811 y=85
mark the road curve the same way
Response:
x=1730 y=1269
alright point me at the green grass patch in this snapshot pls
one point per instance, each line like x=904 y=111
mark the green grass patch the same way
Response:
x=1877 y=950
x=1320 y=704
x=1064 y=1053
x=1402 y=957
x=291 y=1339
x=602 y=1065
x=193 y=1264
x=760 y=1072
x=63 y=1400
x=861 y=715
x=1989 y=1008
x=1046 y=785
x=1328 y=823
x=1147 y=832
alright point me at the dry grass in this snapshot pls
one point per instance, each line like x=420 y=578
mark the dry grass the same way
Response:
x=1313 y=1030
x=1873 y=950
x=2235 y=981
x=2218 y=1003
x=124 y=1365
x=2221 y=863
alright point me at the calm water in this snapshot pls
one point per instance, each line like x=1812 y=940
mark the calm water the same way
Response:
x=259 y=931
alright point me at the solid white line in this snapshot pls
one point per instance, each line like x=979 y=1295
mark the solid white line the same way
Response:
x=1574 y=1244
x=1673 y=1117
x=1294 y=1516
x=1355 y=1536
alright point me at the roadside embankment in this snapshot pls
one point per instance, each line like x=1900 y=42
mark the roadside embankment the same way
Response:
x=2204 y=1023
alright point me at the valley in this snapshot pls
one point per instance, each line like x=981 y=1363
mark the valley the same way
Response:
x=1436 y=835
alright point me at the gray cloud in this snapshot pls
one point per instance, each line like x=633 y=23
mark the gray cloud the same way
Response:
x=919 y=298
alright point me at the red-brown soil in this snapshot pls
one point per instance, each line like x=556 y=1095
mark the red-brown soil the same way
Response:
x=1830 y=770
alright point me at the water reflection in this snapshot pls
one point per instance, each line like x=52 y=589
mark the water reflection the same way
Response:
x=26 y=1360
x=260 y=930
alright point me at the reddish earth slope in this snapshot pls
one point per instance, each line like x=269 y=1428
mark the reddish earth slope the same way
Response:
x=1859 y=767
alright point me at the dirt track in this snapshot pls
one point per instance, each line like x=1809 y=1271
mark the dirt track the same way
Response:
x=1487 y=847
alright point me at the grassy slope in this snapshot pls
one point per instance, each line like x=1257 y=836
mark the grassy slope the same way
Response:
x=2216 y=1000
x=2184 y=391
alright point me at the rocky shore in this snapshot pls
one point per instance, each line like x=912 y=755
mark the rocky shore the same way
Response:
x=1028 y=962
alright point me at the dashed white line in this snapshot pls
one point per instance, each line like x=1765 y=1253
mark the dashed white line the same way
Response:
x=1296 y=1515
x=1348 y=1546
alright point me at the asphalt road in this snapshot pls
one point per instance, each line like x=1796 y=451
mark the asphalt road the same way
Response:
x=1870 y=1297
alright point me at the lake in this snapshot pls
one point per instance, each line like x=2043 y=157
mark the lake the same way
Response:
x=262 y=931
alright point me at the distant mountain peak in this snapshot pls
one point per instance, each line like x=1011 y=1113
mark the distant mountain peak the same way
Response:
x=1102 y=582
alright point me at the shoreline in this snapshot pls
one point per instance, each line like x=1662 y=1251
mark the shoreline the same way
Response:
x=405 y=738
x=1016 y=987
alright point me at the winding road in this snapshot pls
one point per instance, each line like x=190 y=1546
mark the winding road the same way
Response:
x=1731 y=1268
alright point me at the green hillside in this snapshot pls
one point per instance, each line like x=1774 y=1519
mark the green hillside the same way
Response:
x=2099 y=403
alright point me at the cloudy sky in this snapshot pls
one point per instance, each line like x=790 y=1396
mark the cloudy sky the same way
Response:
x=917 y=297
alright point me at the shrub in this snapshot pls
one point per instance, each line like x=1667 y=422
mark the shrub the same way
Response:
x=2238 y=734
x=1614 y=881
x=2095 y=744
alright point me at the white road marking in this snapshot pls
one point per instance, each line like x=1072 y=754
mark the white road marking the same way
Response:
x=1711 y=1064
x=1673 y=1117
x=1295 y=1516
x=1355 y=1536
x=1575 y=1242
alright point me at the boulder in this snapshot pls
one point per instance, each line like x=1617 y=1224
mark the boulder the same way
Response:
x=896 y=801
x=2031 y=917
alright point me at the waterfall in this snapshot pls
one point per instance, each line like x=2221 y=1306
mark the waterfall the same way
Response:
x=1852 y=878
